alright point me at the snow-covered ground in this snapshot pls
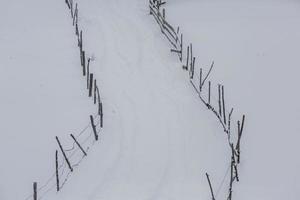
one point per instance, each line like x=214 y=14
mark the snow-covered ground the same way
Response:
x=158 y=140
x=255 y=46
x=42 y=92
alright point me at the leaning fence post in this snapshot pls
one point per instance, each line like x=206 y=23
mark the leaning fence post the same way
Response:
x=56 y=171
x=35 y=191
x=80 y=147
x=64 y=154
x=93 y=127
x=88 y=73
x=211 y=190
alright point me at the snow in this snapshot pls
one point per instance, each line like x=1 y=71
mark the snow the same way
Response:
x=158 y=139
x=255 y=47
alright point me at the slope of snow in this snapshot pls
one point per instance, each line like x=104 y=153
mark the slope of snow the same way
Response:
x=42 y=92
x=255 y=46
x=158 y=140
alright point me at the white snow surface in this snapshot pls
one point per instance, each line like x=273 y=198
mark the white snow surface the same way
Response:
x=158 y=138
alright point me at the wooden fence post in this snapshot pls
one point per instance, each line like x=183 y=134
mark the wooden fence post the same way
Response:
x=64 y=154
x=101 y=114
x=91 y=85
x=88 y=73
x=80 y=147
x=219 y=100
x=200 y=80
x=209 y=88
x=93 y=127
x=95 y=89
x=223 y=102
x=35 y=191
x=56 y=171
x=211 y=189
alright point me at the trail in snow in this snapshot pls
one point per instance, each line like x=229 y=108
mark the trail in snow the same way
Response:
x=158 y=139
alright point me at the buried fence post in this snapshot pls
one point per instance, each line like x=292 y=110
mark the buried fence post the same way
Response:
x=56 y=171
x=64 y=154
x=80 y=147
x=35 y=191
x=93 y=127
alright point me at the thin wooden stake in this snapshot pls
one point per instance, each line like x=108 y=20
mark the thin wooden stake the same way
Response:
x=209 y=88
x=187 y=58
x=71 y=4
x=64 y=154
x=83 y=151
x=181 y=44
x=211 y=189
x=220 y=107
x=229 y=124
x=83 y=62
x=210 y=69
x=200 y=80
x=56 y=171
x=94 y=127
x=95 y=89
x=91 y=85
x=223 y=103
x=68 y=4
x=35 y=191
x=101 y=115
x=191 y=49
x=88 y=74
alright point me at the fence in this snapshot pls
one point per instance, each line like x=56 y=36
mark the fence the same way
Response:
x=67 y=159
x=202 y=87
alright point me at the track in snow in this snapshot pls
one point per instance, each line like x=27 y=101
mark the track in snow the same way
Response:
x=158 y=140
